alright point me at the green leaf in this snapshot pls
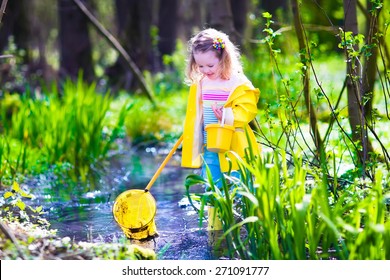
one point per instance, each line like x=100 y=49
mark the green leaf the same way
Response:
x=8 y=194
x=26 y=195
x=37 y=209
x=21 y=205
x=16 y=187
x=267 y=15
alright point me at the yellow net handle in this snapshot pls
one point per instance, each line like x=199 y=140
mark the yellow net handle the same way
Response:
x=154 y=178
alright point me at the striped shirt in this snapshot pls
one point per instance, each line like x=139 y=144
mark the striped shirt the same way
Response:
x=213 y=93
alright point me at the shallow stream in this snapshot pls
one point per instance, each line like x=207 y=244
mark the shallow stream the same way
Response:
x=90 y=218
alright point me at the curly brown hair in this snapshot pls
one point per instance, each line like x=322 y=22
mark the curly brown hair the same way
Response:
x=229 y=56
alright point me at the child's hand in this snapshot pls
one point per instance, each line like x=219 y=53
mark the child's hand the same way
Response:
x=217 y=110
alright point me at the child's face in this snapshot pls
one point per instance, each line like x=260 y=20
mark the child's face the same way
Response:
x=208 y=64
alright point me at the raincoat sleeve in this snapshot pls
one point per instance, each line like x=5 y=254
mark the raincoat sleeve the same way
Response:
x=243 y=103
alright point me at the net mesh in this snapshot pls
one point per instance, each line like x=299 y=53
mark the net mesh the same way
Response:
x=134 y=211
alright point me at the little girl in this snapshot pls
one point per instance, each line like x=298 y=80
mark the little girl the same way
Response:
x=217 y=83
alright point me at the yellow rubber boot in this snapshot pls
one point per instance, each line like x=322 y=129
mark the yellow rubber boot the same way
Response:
x=214 y=222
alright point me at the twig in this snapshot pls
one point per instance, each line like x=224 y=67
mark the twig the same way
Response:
x=8 y=234
x=6 y=56
x=310 y=27
x=2 y=9
x=111 y=39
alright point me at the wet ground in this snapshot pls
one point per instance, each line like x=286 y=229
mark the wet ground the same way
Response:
x=90 y=218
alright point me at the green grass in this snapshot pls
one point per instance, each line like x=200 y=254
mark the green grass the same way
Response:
x=145 y=123
x=281 y=209
x=67 y=126
x=75 y=126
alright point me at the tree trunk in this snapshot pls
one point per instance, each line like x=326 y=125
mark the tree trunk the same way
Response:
x=304 y=56
x=3 y=7
x=354 y=98
x=135 y=19
x=167 y=26
x=16 y=22
x=75 y=44
x=118 y=47
x=191 y=17
x=370 y=70
x=356 y=110
x=240 y=17
x=221 y=18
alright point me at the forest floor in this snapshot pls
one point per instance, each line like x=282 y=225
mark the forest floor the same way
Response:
x=26 y=241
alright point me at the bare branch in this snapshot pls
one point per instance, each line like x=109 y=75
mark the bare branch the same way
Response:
x=2 y=9
x=6 y=56
x=309 y=27
x=115 y=44
x=8 y=234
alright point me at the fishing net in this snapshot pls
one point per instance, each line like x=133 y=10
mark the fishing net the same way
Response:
x=134 y=211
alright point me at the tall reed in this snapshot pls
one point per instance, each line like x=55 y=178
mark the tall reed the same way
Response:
x=13 y=159
x=281 y=209
x=67 y=126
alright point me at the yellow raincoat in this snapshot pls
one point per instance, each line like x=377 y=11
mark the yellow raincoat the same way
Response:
x=243 y=103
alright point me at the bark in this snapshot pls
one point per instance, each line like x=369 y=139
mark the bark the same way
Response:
x=135 y=19
x=8 y=234
x=304 y=56
x=114 y=43
x=354 y=97
x=75 y=43
x=16 y=22
x=221 y=18
x=167 y=26
x=2 y=9
x=370 y=65
x=191 y=17
x=356 y=110
x=240 y=15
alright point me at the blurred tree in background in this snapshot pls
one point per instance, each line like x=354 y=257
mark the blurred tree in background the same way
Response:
x=74 y=41
x=150 y=27
x=53 y=40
